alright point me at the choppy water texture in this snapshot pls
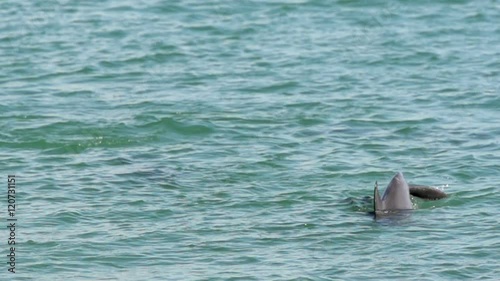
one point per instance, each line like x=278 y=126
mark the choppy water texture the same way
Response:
x=238 y=140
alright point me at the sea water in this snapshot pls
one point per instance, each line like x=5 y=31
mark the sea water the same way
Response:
x=241 y=140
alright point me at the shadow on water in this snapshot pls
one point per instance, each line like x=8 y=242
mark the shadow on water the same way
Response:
x=363 y=204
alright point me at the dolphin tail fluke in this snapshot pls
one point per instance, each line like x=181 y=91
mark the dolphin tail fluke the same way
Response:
x=426 y=192
x=378 y=205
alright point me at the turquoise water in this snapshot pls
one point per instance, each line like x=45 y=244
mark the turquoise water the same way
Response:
x=240 y=140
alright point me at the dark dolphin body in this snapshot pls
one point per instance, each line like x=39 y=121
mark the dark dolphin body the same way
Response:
x=396 y=197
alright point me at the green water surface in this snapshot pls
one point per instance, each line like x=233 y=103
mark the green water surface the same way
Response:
x=240 y=140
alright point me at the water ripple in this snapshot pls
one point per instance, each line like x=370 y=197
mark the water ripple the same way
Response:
x=241 y=140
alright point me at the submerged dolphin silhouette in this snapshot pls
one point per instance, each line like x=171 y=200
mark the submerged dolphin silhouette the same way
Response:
x=397 y=195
